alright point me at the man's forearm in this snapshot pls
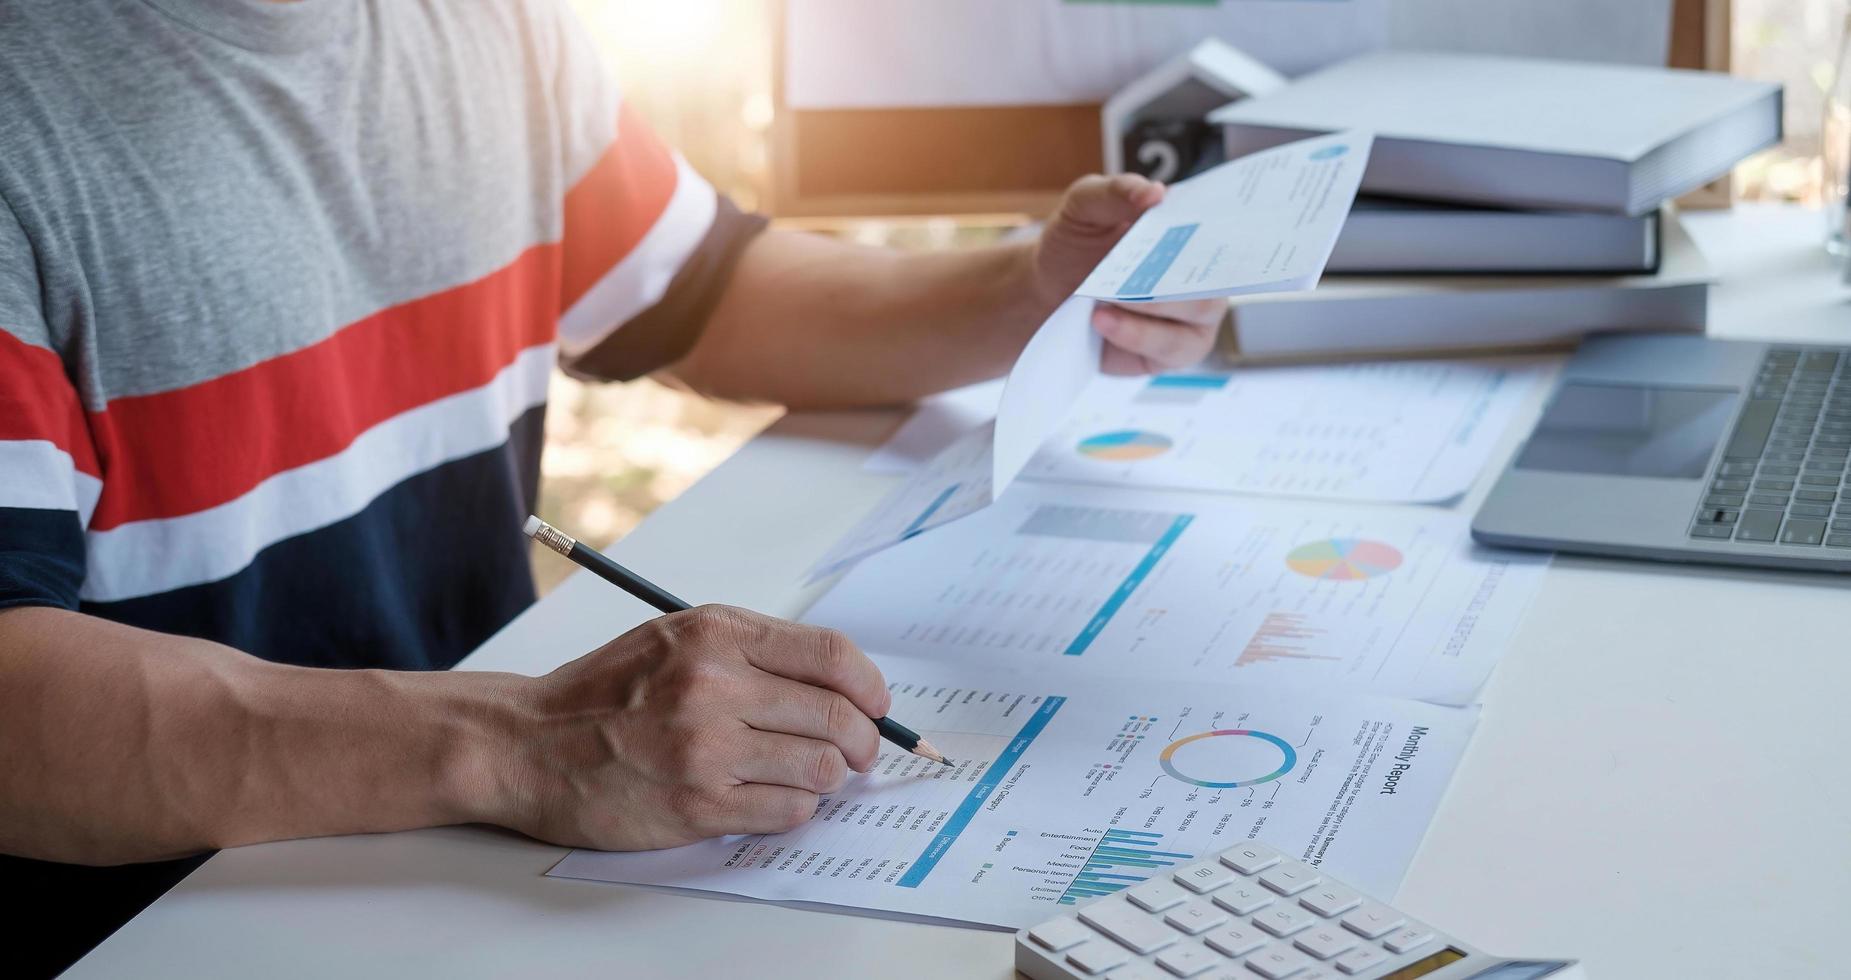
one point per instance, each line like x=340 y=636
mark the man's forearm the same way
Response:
x=812 y=322
x=126 y=745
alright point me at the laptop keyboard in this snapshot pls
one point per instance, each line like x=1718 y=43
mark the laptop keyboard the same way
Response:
x=1783 y=478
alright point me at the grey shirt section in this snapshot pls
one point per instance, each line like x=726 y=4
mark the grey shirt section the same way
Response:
x=206 y=184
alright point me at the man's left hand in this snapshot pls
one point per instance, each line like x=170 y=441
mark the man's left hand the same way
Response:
x=1142 y=338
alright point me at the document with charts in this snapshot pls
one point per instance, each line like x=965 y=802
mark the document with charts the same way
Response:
x=1400 y=431
x=1261 y=223
x=1091 y=581
x=1065 y=790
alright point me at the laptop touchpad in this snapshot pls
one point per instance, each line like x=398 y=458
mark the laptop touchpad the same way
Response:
x=1630 y=430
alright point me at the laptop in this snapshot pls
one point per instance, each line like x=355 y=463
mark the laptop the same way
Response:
x=1682 y=448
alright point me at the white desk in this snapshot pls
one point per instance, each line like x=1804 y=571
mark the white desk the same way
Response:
x=1656 y=787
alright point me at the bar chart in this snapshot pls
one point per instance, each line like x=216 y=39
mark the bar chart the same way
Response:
x=1122 y=858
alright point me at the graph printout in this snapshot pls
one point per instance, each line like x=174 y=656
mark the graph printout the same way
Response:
x=1063 y=793
x=1264 y=222
x=1086 y=581
x=1393 y=431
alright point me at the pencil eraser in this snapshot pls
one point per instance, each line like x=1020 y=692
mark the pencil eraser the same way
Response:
x=533 y=526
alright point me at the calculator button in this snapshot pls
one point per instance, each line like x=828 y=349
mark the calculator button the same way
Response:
x=1188 y=959
x=1204 y=877
x=1318 y=972
x=1250 y=859
x=1156 y=895
x=1361 y=960
x=1801 y=531
x=1758 y=525
x=1236 y=940
x=1325 y=942
x=1411 y=936
x=1242 y=898
x=1060 y=934
x=1373 y=920
x=1290 y=878
x=1138 y=971
x=1276 y=962
x=1283 y=920
x=1129 y=926
x=1197 y=917
x=1329 y=900
x=1097 y=956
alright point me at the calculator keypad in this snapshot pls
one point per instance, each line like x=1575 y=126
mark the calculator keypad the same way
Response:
x=1247 y=914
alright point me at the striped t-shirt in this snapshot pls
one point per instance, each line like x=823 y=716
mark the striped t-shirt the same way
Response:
x=281 y=285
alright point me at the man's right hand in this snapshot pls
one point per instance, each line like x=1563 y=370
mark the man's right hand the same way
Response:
x=702 y=723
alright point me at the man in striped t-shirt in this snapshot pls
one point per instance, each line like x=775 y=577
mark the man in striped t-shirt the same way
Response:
x=280 y=288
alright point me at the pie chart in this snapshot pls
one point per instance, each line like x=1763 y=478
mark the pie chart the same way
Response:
x=1249 y=758
x=1344 y=559
x=1124 y=445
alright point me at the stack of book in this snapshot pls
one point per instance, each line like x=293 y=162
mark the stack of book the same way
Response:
x=1509 y=202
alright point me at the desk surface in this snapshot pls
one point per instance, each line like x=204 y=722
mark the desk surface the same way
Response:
x=1655 y=787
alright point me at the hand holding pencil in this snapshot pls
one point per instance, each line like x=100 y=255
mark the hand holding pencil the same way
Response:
x=595 y=561
x=700 y=723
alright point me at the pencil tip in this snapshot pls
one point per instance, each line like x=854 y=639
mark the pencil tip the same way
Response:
x=927 y=750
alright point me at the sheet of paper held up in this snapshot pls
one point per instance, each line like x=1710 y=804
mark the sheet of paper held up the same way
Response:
x=1262 y=223
x=1265 y=222
x=1069 y=790
x=1066 y=580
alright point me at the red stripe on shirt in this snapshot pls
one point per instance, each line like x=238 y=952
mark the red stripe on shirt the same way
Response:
x=614 y=205
x=182 y=451
x=38 y=402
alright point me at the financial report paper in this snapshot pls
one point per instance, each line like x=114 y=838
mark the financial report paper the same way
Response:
x=1067 y=790
x=1392 y=431
x=1386 y=432
x=1265 y=222
x=1076 y=581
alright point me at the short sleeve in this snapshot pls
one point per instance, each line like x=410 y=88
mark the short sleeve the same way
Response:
x=648 y=245
x=49 y=477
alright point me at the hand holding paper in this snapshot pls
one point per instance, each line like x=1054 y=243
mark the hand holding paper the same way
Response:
x=1262 y=223
x=1094 y=216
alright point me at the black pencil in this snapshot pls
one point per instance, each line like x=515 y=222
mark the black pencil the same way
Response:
x=593 y=560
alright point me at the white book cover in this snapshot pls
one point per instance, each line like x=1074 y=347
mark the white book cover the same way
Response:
x=1521 y=131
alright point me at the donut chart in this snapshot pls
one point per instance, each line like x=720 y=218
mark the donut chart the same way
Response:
x=1288 y=760
x=1125 y=445
x=1344 y=559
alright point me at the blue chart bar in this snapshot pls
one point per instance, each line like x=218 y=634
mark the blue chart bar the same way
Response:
x=980 y=792
x=1122 y=858
x=1128 y=586
x=1190 y=381
x=926 y=515
x=1144 y=278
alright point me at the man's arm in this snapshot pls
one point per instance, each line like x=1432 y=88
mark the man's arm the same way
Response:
x=121 y=744
x=812 y=322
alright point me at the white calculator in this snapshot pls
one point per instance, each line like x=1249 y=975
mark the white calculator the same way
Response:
x=1251 y=913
